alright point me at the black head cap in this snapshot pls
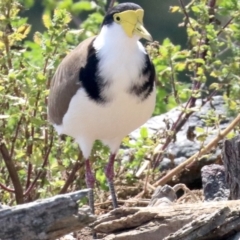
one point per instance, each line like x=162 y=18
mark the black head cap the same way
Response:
x=117 y=9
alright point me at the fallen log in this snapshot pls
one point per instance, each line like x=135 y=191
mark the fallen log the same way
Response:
x=198 y=221
x=45 y=219
x=163 y=219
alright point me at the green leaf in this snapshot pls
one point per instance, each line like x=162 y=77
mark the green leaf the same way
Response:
x=37 y=37
x=199 y=60
x=180 y=66
x=196 y=9
x=144 y=132
x=199 y=130
x=202 y=137
x=200 y=71
x=214 y=86
x=174 y=9
x=82 y=6
x=47 y=20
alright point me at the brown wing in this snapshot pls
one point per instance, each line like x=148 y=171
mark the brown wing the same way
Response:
x=65 y=82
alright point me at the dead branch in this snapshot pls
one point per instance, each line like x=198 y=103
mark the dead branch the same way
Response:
x=46 y=219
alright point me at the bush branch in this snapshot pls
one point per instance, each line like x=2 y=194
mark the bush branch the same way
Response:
x=13 y=173
x=72 y=175
x=185 y=13
x=7 y=188
x=40 y=171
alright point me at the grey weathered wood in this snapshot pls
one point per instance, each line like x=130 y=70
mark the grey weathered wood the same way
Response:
x=198 y=221
x=201 y=226
x=45 y=219
x=231 y=160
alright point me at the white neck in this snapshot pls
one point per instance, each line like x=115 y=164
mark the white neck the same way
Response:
x=114 y=36
x=121 y=58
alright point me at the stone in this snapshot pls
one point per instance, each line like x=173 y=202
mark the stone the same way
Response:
x=215 y=187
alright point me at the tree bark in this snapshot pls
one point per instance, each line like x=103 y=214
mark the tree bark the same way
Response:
x=231 y=160
x=199 y=221
x=163 y=219
x=45 y=219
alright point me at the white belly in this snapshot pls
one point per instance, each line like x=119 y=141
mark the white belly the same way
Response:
x=88 y=121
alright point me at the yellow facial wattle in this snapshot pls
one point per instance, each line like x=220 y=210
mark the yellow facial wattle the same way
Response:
x=132 y=23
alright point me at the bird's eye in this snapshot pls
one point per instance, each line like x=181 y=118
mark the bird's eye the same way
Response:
x=117 y=18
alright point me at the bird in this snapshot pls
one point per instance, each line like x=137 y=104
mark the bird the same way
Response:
x=105 y=88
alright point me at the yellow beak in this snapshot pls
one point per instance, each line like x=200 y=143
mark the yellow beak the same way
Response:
x=132 y=23
x=142 y=32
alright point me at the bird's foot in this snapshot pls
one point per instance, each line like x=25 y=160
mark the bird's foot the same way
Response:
x=91 y=205
x=91 y=200
x=90 y=181
x=113 y=194
x=109 y=171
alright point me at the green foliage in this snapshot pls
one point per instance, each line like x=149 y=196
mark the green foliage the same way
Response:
x=142 y=148
x=212 y=57
x=169 y=61
x=211 y=62
x=26 y=69
x=208 y=66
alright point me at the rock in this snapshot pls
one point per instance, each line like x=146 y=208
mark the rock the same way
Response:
x=183 y=148
x=215 y=187
x=163 y=195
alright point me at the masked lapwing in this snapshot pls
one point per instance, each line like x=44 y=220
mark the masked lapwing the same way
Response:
x=105 y=88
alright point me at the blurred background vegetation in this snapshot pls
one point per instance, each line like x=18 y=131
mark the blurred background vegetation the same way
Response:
x=158 y=19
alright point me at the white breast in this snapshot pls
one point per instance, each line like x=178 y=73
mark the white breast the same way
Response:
x=109 y=122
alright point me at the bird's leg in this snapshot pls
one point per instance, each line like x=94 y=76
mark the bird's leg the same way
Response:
x=109 y=171
x=90 y=180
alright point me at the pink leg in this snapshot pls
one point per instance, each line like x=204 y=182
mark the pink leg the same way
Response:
x=89 y=177
x=109 y=171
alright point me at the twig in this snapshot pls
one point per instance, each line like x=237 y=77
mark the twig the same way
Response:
x=133 y=201
x=111 y=3
x=182 y=119
x=71 y=177
x=186 y=190
x=15 y=136
x=8 y=52
x=29 y=173
x=147 y=185
x=40 y=171
x=185 y=13
x=224 y=26
x=7 y=188
x=172 y=80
